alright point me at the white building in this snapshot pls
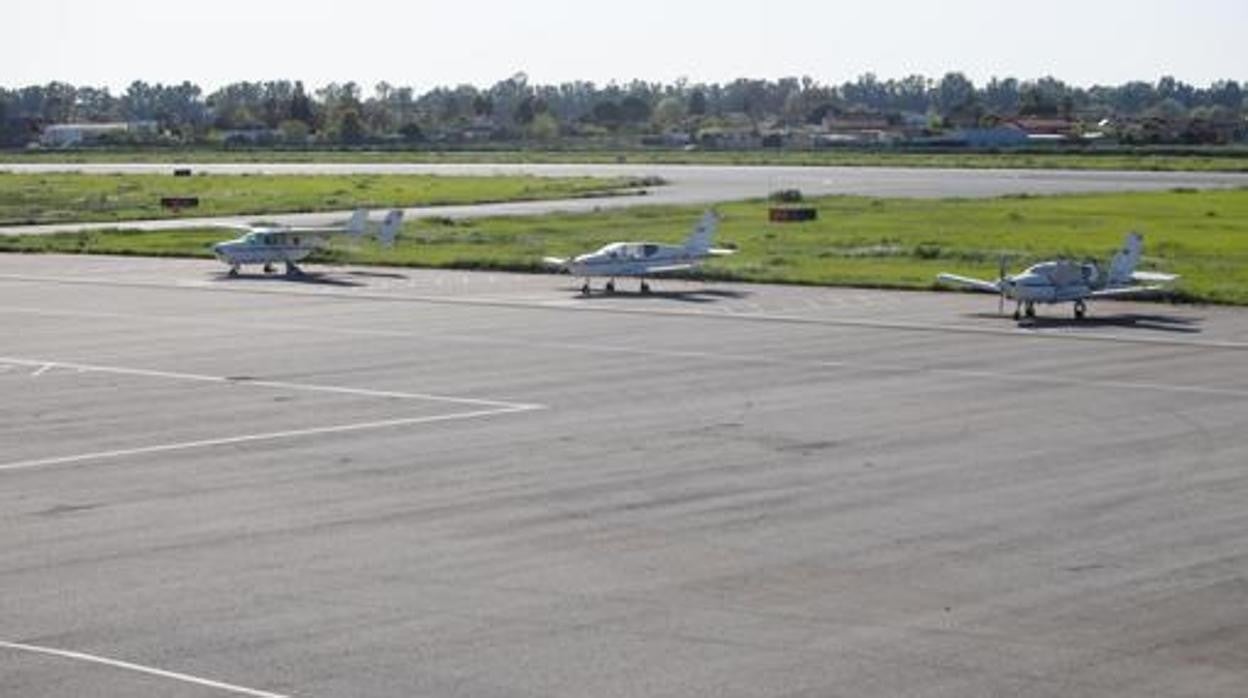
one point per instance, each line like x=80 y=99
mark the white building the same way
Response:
x=66 y=135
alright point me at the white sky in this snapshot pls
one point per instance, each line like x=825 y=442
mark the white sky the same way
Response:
x=427 y=44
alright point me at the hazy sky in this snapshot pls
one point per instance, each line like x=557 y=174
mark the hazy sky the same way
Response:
x=427 y=44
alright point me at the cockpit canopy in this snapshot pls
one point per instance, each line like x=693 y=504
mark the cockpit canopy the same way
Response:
x=1065 y=272
x=627 y=250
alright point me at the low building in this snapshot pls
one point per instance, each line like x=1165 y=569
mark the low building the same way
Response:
x=69 y=135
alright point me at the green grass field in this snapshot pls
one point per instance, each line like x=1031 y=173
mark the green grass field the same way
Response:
x=1229 y=159
x=68 y=198
x=890 y=243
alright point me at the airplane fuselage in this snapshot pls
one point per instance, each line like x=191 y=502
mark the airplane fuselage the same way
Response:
x=1054 y=282
x=634 y=259
x=262 y=248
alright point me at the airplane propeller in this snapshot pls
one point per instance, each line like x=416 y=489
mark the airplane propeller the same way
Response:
x=1001 y=285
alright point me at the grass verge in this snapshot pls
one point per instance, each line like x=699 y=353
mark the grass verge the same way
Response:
x=857 y=241
x=28 y=199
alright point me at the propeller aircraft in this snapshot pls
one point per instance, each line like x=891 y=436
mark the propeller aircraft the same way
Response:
x=643 y=259
x=1068 y=281
x=269 y=245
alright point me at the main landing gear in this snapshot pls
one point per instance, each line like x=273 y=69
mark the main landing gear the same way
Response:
x=292 y=270
x=1081 y=309
x=609 y=287
x=1027 y=309
x=233 y=273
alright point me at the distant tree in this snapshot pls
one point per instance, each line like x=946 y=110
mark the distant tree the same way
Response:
x=1001 y=97
x=544 y=127
x=669 y=112
x=957 y=101
x=524 y=112
x=607 y=113
x=482 y=105
x=1227 y=93
x=634 y=110
x=348 y=127
x=295 y=131
x=59 y=103
x=1134 y=97
x=697 y=103
x=301 y=108
x=412 y=132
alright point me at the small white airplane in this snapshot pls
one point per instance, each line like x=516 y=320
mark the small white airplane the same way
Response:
x=1068 y=281
x=269 y=245
x=643 y=259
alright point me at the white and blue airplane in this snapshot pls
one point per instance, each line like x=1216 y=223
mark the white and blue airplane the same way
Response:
x=269 y=245
x=643 y=259
x=1068 y=281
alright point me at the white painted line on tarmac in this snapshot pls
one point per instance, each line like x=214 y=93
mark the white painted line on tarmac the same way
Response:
x=45 y=365
x=139 y=668
x=41 y=370
x=252 y=438
x=758 y=359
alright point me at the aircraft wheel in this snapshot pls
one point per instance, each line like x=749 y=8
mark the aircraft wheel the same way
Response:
x=645 y=287
x=585 y=289
x=1081 y=309
x=233 y=273
x=1031 y=310
x=610 y=287
x=268 y=269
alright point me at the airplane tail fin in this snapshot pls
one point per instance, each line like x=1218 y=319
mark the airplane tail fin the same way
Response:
x=1123 y=263
x=390 y=227
x=355 y=226
x=700 y=239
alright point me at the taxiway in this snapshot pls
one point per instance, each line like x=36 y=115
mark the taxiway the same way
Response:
x=405 y=482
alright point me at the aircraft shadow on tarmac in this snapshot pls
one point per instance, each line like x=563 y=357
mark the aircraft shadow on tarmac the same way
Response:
x=1138 y=321
x=312 y=278
x=705 y=295
x=376 y=274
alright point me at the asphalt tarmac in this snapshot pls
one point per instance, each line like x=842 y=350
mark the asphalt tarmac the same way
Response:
x=387 y=482
x=686 y=185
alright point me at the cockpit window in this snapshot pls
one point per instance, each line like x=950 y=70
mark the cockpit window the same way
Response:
x=650 y=250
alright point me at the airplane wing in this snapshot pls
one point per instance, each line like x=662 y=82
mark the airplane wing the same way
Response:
x=1153 y=277
x=663 y=268
x=720 y=252
x=1125 y=291
x=311 y=231
x=974 y=284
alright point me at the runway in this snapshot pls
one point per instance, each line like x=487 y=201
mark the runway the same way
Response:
x=394 y=482
x=686 y=185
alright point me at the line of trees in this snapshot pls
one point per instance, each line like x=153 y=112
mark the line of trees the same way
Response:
x=286 y=111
